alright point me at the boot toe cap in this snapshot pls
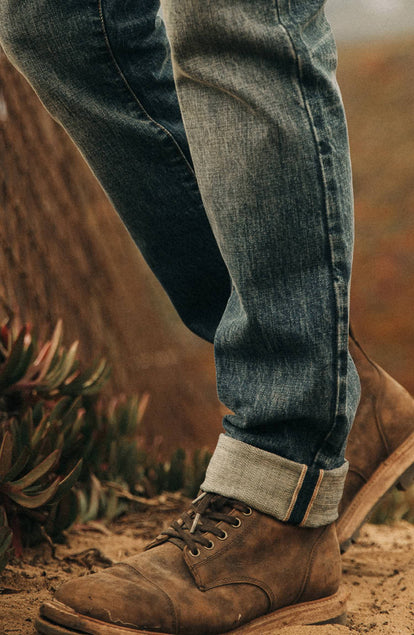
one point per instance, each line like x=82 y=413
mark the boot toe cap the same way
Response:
x=113 y=598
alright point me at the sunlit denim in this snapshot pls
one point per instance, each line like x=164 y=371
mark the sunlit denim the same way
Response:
x=269 y=283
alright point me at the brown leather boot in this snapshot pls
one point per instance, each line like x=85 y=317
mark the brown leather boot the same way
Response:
x=380 y=447
x=221 y=568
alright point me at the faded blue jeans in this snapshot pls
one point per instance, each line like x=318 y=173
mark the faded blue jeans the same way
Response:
x=251 y=234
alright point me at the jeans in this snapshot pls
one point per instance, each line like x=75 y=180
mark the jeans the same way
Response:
x=224 y=150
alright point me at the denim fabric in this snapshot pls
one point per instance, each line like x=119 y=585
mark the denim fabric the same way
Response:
x=274 y=484
x=263 y=117
x=103 y=70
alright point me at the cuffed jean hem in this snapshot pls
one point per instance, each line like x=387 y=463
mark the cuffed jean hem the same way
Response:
x=289 y=491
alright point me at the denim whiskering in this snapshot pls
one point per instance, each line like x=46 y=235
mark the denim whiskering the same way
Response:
x=224 y=149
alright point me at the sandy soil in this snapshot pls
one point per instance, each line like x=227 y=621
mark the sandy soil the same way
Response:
x=378 y=572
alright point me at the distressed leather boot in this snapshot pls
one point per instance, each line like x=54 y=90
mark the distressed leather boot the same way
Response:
x=221 y=568
x=380 y=447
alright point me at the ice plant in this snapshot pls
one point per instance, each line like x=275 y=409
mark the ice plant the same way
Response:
x=6 y=537
x=42 y=421
x=65 y=453
x=51 y=370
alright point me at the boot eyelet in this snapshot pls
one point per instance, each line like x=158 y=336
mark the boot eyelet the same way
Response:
x=249 y=512
x=224 y=536
x=210 y=545
x=195 y=553
x=237 y=523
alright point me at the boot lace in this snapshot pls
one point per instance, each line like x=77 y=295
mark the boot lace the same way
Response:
x=202 y=518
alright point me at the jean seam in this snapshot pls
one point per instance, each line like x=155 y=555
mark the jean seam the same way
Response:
x=131 y=91
x=336 y=365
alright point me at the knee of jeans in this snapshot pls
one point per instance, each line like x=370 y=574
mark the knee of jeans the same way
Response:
x=24 y=29
x=37 y=37
x=31 y=35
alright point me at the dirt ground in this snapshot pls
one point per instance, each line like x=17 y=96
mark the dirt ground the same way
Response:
x=378 y=572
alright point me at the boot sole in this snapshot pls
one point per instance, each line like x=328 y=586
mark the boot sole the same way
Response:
x=397 y=469
x=57 y=619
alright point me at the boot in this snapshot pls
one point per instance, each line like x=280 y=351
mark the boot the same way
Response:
x=380 y=447
x=221 y=568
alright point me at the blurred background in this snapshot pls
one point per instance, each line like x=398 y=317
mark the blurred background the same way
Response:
x=64 y=252
x=376 y=66
x=356 y=20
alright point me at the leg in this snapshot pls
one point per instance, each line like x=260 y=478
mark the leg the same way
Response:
x=275 y=184
x=266 y=128
x=103 y=70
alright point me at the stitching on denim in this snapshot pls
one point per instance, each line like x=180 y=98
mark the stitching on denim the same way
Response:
x=288 y=497
x=326 y=215
x=312 y=500
x=132 y=93
x=296 y=493
x=292 y=48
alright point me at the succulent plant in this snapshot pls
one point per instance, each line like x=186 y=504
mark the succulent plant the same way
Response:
x=113 y=452
x=396 y=505
x=33 y=476
x=195 y=472
x=48 y=371
x=65 y=453
x=43 y=394
x=6 y=537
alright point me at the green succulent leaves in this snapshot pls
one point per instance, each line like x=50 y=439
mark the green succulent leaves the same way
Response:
x=53 y=368
x=41 y=426
x=67 y=455
x=6 y=538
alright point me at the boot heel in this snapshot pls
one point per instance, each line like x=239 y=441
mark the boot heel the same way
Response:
x=407 y=479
